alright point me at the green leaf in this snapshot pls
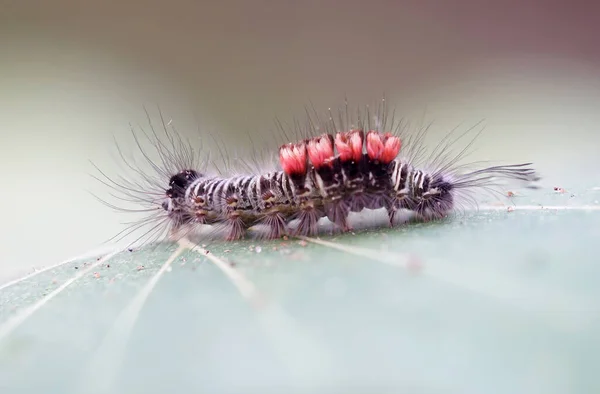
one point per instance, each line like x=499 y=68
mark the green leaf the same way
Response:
x=491 y=301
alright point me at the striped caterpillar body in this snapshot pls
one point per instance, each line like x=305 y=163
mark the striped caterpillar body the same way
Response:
x=348 y=168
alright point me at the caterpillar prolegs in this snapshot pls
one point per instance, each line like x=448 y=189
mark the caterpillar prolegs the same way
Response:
x=339 y=167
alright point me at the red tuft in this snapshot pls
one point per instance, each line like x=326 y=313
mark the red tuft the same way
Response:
x=292 y=158
x=320 y=150
x=349 y=145
x=391 y=148
x=382 y=147
x=374 y=145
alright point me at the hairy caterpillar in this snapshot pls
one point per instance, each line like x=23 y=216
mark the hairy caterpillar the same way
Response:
x=348 y=163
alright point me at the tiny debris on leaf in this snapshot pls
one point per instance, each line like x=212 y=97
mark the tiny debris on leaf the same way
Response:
x=510 y=209
x=414 y=265
x=140 y=267
x=510 y=194
x=96 y=275
x=559 y=189
x=298 y=256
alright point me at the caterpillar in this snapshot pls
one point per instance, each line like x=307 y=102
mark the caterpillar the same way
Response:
x=348 y=163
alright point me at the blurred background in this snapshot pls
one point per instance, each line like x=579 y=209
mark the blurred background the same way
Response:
x=75 y=73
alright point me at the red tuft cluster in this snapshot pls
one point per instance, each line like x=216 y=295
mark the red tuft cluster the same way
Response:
x=320 y=151
x=350 y=145
x=293 y=158
x=380 y=147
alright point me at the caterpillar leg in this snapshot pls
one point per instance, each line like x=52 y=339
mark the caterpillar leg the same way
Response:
x=357 y=202
x=338 y=212
x=308 y=225
x=236 y=228
x=200 y=216
x=277 y=225
x=391 y=211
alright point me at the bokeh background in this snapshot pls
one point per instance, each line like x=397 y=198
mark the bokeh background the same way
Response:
x=75 y=73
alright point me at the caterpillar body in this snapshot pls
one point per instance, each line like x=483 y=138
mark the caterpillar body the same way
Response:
x=338 y=167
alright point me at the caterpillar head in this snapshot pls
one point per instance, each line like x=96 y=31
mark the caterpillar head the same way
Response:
x=175 y=194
